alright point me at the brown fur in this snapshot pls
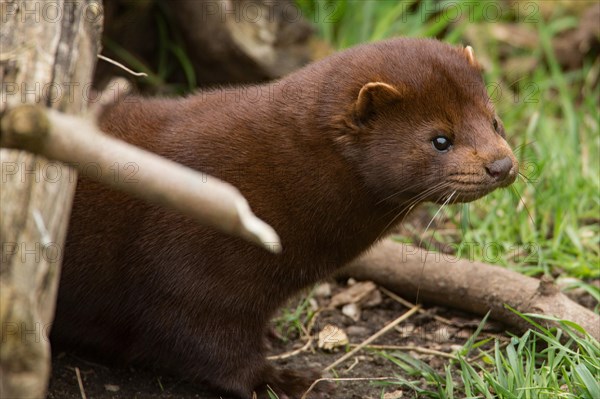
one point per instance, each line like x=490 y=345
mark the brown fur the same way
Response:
x=331 y=156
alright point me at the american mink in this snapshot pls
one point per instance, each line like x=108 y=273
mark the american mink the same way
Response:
x=331 y=156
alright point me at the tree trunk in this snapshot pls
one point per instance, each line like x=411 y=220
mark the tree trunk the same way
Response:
x=224 y=41
x=243 y=40
x=48 y=53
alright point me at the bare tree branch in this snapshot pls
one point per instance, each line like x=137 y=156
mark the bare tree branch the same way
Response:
x=78 y=142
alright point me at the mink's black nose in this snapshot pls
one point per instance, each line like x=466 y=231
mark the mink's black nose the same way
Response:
x=500 y=168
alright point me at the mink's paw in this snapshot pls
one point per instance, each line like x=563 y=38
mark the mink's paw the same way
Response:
x=294 y=384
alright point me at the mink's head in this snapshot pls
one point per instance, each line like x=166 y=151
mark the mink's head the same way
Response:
x=420 y=125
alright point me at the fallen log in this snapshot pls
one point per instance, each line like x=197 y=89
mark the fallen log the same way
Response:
x=474 y=287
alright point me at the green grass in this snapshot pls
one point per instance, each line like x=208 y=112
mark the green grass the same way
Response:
x=293 y=319
x=541 y=364
x=546 y=223
x=344 y=23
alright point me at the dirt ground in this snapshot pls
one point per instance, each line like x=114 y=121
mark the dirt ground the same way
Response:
x=421 y=330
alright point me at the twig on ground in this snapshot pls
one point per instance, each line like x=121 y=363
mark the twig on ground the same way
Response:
x=353 y=364
x=307 y=335
x=408 y=304
x=285 y=355
x=80 y=382
x=373 y=337
x=345 y=379
x=419 y=349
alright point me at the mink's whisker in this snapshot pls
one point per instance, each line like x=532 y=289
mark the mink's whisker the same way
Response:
x=405 y=209
x=526 y=179
x=523 y=202
x=417 y=197
x=404 y=189
x=434 y=216
x=415 y=203
x=429 y=245
x=521 y=146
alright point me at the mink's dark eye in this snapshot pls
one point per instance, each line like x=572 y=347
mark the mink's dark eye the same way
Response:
x=441 y=143
x=498 y=128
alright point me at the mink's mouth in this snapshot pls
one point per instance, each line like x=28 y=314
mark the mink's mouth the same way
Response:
x=466 y=195
x=470 y=187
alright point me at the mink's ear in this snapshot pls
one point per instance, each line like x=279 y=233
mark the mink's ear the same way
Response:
x=468 y=51
x=372 y=96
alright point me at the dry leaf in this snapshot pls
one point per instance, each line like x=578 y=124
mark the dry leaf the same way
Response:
x=372 y=300
x=331 y=337
x=393 y=395
x=112 y=388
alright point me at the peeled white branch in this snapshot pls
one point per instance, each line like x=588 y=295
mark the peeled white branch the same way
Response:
x=78 y=142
